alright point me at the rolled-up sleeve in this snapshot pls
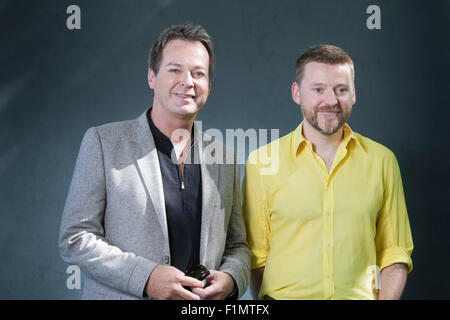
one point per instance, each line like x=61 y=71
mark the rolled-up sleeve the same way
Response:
x=255 y=211
x=393 y=236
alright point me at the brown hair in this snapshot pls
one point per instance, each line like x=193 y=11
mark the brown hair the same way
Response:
x=188 y=32
x=323 y=53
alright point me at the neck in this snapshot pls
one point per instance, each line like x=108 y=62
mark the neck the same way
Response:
x=169 y=124
x=322 y=144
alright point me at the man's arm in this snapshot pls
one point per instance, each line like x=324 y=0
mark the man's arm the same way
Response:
x=255 y=210
x=235 y=266
x=82 y=235
x=393 y=239
x=256 y=280
x=393 y=280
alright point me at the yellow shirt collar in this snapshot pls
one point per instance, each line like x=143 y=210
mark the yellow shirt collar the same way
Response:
x=299 y=138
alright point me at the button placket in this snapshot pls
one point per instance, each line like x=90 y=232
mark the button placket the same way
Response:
x=328 y=237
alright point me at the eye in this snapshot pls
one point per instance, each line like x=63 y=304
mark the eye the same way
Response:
x=342 y=90
x=174 y=70
x=317 y=90
x=199 y=74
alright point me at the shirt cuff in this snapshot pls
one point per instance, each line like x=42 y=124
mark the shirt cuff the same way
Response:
x=393 y=255
x=258 y=262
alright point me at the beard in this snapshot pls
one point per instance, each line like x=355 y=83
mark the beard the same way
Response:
x=336 y=121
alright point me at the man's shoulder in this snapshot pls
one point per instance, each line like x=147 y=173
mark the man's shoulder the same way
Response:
x=117 y=128
x=277 y=146
x=115 y=132
x=373 y=148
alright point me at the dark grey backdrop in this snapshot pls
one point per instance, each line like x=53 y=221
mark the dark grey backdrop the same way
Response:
x=55 y=83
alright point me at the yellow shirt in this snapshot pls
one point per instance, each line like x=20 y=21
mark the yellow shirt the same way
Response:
x=320 y=234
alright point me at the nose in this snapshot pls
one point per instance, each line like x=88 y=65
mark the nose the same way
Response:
x=329 y=98
x=187 y=79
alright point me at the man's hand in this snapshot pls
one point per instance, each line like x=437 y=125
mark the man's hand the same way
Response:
x=221 y=286
x=166 y=282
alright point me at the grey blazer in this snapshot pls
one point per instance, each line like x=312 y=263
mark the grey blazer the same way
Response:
x=114 y=225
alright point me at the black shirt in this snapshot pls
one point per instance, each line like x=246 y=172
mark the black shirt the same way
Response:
x=183 y=202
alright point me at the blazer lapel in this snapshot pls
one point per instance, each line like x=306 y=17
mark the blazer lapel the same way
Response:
x=148 y=163
x=210 y=180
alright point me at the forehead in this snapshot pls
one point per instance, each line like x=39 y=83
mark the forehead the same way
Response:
x=186 y=53
x=326 y=73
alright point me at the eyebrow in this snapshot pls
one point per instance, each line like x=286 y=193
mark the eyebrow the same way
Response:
x=323 y=84
x=181 y=66
x=174 y=64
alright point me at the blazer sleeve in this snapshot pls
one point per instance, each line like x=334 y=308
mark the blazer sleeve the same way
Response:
x=81 y=237
x=236 y=257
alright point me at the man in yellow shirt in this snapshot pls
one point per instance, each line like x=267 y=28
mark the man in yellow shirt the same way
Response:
x=333 y=214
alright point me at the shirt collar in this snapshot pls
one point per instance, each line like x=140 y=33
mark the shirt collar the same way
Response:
x=349 y=135
x=162 y=142
x=157 y=134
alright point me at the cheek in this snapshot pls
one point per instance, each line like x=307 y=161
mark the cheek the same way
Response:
x=346 y=103
x=202 y=89
x=310 y=101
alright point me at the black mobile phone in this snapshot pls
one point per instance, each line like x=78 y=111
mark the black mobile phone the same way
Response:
x=199 y=272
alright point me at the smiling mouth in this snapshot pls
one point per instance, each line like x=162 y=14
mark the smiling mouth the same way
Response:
x=328 y=115
x=329 y=111
x=184 y=96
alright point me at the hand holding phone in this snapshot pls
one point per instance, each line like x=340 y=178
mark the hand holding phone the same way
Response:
x=199 y=272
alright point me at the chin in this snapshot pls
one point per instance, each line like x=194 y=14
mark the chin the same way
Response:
x=186 y=110
x=330 y=130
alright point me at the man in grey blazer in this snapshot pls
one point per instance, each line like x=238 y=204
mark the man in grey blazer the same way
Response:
x=145 y=204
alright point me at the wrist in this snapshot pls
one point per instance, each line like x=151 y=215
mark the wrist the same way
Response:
x=234 y=288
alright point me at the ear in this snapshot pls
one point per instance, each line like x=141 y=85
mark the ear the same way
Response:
x=151 y=78
x=295 y=93
x=354 y=95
